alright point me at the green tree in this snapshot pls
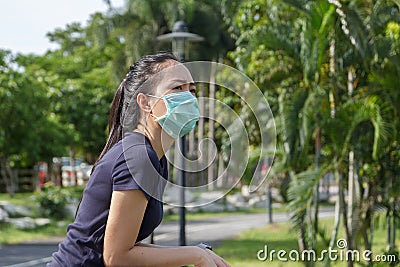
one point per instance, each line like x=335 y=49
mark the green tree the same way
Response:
x=302 y=78
x=79 y=76
x=29 y=132
x=90 y=61
x=314 y=60
x=136 y=26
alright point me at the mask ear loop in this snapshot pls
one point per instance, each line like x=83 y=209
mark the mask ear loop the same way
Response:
x=159 y=97
x=151 y=112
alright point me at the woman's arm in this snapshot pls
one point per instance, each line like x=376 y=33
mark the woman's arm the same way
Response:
x=208 y=253
x=126 y=214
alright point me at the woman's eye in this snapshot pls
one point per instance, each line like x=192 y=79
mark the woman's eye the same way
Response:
x=180 y=87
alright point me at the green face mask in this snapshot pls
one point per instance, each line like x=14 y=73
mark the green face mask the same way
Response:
x=182 y=113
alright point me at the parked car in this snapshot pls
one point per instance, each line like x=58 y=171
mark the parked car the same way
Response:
x=81 y=170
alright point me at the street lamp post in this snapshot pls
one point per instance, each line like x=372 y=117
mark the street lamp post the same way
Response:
x=179 y=37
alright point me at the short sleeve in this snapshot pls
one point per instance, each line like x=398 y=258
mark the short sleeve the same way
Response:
x=138 y=167
x=122 y=177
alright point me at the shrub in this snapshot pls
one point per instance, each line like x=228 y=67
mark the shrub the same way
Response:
x=52 y=200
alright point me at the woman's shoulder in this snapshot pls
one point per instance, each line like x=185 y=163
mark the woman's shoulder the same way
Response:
x=138 y=146
x=133 y=151
x=130 y=142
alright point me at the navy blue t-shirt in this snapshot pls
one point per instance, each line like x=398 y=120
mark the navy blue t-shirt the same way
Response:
x=128 y=165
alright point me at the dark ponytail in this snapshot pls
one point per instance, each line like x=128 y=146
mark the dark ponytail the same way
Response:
x=114 y=120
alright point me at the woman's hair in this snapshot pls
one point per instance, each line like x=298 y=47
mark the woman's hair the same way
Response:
x=126 y=96
x=124 y=104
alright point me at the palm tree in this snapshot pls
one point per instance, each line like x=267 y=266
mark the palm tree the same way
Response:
x=316 y=99
x=363 y=23
x=135 y=27
x=360 y=39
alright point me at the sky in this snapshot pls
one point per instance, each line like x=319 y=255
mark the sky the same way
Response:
x=25 y=23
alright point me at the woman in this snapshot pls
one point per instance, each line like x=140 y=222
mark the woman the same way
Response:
x=121 y=204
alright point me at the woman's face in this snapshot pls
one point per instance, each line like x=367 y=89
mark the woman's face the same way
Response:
x=174 y=78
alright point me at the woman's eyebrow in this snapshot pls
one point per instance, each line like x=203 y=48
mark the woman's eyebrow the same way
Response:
x=183 y=81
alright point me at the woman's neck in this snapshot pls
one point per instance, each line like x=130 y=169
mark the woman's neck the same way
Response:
x=159 y=140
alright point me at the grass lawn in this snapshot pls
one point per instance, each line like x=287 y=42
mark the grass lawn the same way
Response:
x=25 y=199
x=11 y=235
x=242 y=250
x=28 y=198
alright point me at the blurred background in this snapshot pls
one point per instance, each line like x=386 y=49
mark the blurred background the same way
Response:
x=329 y=69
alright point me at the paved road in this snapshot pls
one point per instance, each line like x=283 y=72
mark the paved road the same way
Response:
x=211 y=230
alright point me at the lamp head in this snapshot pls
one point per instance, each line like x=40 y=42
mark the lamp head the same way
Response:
x=180 y=26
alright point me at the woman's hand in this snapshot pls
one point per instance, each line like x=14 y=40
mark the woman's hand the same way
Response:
x=209 y=259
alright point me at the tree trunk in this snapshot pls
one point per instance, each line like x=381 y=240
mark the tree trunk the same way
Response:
x=371 y=226
x=390 y=220
x=191 y=148
x=200 y=133
x=393 y=226
x=316 y=192
x=191 y=162
x=176 y=160
x=311 y=234
x=169 y=156
x=393 y=222
x=367 y=218
x=211 y=116
x=302 y=238
x=350 y=221
x=354 y=201
x=72 y=164
x=338 y=212
x=220 y=174
x=344 y=213
x=7 y=176
x=388 y=230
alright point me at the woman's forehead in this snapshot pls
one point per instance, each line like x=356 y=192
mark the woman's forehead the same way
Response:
x=177 y=73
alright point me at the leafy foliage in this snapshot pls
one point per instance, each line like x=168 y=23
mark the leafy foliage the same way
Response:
x=25 y=119
x=332 y=66
x=53 y=200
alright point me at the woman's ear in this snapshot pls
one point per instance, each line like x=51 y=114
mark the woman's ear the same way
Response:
x=143 y=102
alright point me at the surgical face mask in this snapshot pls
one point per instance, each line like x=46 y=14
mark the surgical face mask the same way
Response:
x=182 y=113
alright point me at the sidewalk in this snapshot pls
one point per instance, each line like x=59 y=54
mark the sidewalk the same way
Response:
x=214 y=230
